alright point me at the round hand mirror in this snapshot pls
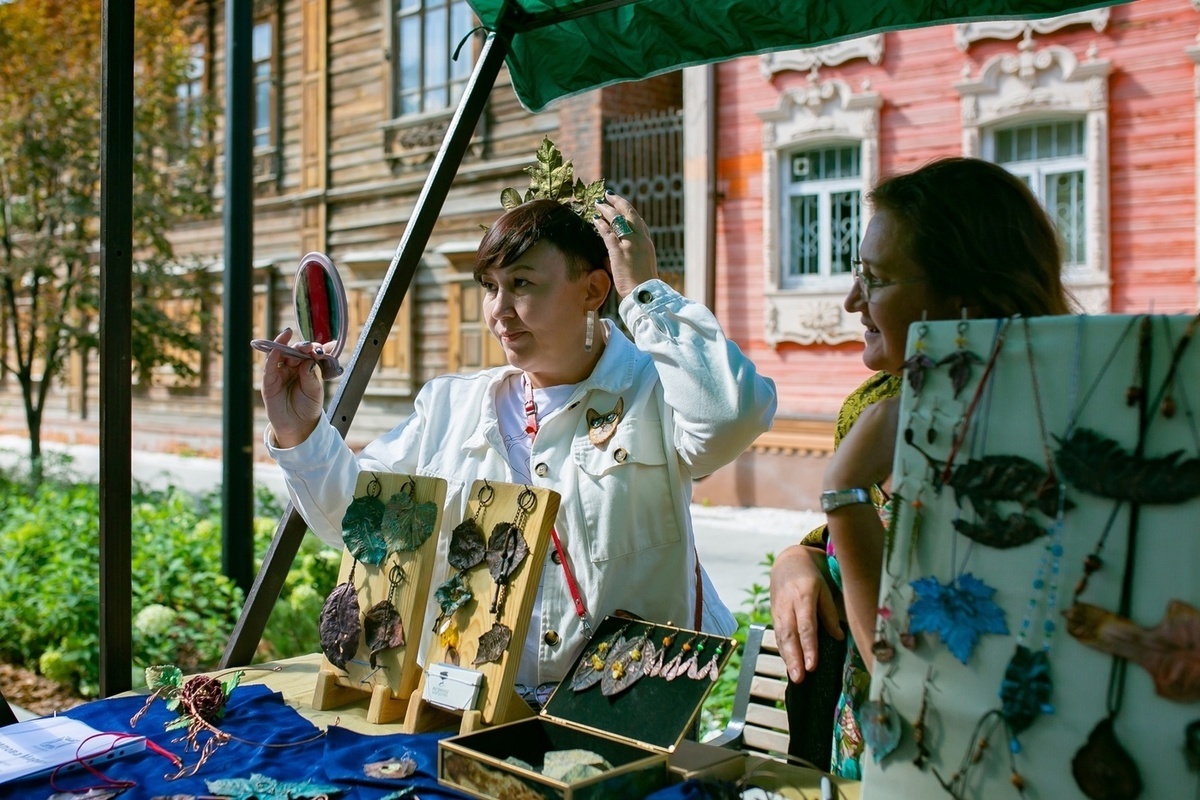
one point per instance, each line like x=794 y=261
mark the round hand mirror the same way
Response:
x=320 y=303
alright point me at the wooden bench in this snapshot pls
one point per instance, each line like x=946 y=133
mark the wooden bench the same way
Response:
x=759 y=722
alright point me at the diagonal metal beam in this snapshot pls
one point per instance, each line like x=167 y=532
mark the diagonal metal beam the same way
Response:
x=291 y=529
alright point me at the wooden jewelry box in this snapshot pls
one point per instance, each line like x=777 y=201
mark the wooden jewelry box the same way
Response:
x=635 y=730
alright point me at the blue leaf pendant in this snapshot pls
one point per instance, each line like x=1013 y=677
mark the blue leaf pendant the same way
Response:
x=1026 y=688
x=881 y=728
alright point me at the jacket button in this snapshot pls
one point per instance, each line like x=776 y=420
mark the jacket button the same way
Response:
x=645 y=296
x=551 y=638
x=555 y=557
x=620 y=455
x=541 y=469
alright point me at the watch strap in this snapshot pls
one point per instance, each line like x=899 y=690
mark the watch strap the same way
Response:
x=834 y=499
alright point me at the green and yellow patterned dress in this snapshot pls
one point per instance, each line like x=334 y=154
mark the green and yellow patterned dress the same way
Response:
x=856 y=681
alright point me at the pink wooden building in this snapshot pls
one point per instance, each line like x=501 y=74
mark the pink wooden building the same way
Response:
x=1097 y=110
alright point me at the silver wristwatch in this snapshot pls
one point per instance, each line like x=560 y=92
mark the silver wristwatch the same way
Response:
x=836 y=498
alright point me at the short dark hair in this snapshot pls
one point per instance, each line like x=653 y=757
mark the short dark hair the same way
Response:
x=511 y=236
x=980 y=234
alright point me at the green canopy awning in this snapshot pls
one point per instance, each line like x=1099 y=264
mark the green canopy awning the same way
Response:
x=562 y=47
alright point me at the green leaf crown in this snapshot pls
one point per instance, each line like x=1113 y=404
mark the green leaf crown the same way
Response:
x=554 y=179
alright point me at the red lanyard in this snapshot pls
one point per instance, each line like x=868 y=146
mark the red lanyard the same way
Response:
x=531 y=427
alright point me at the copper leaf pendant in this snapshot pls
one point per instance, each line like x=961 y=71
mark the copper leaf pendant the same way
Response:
x=492 y=644
x=1103 y=769
x=505 y=551
x=466 y=545
x=383 y=629
x=338 y=626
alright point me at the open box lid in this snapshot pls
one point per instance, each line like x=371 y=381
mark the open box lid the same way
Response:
x=652 y=711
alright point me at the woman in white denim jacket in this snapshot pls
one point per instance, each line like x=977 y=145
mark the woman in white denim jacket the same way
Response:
x=690 y=403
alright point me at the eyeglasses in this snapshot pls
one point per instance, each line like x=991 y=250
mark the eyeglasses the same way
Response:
x=866 y=284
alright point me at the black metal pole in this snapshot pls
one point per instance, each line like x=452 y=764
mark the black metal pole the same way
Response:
x=237 y=463
x=116 y=349
x=290 y=531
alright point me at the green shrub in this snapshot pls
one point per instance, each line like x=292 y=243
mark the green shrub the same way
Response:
x=718 y=706
x=184 y=608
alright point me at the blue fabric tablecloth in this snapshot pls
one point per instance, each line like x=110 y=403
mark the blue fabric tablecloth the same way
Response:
x=270 y=738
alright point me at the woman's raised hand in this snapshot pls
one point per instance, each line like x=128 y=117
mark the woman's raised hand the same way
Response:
x=630 y=250
x=292 y=391
x=800 y=601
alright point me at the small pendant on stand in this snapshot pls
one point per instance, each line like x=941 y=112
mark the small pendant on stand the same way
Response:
x=1103 y=769
x=881 y=728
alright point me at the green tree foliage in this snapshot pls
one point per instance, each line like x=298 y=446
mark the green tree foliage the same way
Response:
x=50 y=104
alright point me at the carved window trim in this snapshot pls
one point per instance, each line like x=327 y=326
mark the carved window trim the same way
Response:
x=411 y=140
x=965 y=33
x=869 y=47
x=822 y=113
x=1051 y=83
x=395 y=371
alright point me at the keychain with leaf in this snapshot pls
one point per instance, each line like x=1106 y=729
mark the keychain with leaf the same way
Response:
x=362 y=526
x=507 y=548
x=383 y=628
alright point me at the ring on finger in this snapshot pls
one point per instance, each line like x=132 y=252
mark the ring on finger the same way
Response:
x=621 y=227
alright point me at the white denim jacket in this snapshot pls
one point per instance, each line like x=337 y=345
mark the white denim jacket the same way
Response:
x=692 y=403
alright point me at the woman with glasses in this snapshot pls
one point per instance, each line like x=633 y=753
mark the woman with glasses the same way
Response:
x=957 y=237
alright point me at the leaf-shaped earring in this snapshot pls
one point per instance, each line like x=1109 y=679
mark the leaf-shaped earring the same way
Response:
x=677 y=665
x=916 y=365
x=960 y=361
x=361 y=526
x=657 y=656
x=591 y=667
x=383 y=628
x=712 y=669
x=626 y=664
x=339 y=626
x=406 y=523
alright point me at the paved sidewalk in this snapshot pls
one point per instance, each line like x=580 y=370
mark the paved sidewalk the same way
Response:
x=732 y=541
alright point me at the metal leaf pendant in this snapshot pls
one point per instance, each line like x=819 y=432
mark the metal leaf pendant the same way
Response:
x=881 y=728
x=505 y=551
x=338 y=626
x=492 y=644
x=452 y=595
x=383 y=629
x=591 y=667
x=1000 y=532
x=1103 y=769
x=1100 y=466
x=466 y=545
x=361 y=530
x=1170 y=651
x=625 y=665
x=1026 y=688
x=407 y=524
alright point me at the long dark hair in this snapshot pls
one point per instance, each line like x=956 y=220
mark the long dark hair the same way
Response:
x=511 y=236
x=980 y=234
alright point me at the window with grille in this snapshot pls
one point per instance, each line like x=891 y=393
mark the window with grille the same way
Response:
x=822 y=207
x=425 y=34
x=189 y=99
x=1051 y=158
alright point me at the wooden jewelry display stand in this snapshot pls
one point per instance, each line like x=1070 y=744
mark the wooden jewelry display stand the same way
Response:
x=390 y=687
x=1105 y=408
x=498 y=702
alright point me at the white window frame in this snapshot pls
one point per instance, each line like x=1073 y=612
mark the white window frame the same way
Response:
x=824 y=113
x=1051 y=84
x=823 y=190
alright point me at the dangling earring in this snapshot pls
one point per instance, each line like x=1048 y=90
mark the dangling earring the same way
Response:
x=590 y=336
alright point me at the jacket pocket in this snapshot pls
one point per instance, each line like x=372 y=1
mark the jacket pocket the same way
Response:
x=626 y=491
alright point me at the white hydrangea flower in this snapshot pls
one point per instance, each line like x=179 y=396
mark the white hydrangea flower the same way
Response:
x=154 y=620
